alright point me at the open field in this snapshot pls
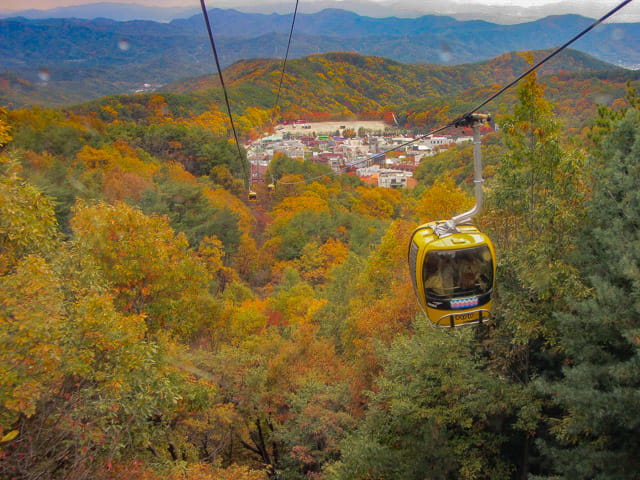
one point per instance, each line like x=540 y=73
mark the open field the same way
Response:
x=330 y=127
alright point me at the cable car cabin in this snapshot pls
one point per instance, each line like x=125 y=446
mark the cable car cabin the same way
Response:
x=252 y=196
x=453 y=275
x=271 y=187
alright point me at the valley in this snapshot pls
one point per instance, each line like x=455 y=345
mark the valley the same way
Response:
x=241 y=283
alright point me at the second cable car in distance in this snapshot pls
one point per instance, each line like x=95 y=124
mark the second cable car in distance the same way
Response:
x=452 y=263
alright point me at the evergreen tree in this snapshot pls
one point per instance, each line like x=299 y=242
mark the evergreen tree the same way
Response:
x=190 y=212
x=535 y=206
x=434 y=414
x=597 y=433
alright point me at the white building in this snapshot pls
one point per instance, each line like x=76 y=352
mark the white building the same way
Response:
x=432 y=141
x=388 y=178
x=293 y=149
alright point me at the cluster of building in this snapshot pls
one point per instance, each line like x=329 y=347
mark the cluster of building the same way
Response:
x=384 y=160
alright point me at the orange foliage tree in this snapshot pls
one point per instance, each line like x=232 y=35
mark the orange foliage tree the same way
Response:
x=124 y=175
x=385 y=305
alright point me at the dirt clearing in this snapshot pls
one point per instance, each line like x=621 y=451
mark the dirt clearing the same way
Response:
x=324 y=128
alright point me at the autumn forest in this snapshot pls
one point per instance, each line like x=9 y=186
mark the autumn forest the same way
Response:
x=158 y=325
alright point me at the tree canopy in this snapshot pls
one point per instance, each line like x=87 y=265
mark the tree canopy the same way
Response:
x=158 y=325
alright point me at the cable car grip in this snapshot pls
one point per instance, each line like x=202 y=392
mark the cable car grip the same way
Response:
x=474 y=120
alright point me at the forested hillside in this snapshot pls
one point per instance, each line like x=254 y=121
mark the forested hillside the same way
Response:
x=157 y=325
x=345 y=85
x=339 y=85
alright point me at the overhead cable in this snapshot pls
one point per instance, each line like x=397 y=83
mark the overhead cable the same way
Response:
x=284 y=63
x=224 y=89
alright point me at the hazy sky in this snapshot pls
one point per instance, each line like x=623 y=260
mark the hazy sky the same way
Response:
x=45 y=4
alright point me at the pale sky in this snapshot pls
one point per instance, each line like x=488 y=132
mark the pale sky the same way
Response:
x=46 y=4
x=539 y=8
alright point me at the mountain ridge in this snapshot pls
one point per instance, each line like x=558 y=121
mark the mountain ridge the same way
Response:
x=343 y=85
x=91 y=58
x=378 y=8
x=117 y=11
x=406 y=40
x=245 y=70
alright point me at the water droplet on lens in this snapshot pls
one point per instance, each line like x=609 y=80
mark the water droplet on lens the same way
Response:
x=617 y=34
x=43 y=74
x=445 y=57
x=123 y=44
x=603 y=99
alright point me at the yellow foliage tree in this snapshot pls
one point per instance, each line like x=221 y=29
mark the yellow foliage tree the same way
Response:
x=377 y=202
x=31 y=316
x=213 y=120
x=442 y=201
x=291 y=206
x=316 y=260
x=5 y=128
x=150 y=268
x=124 y=174
x=27 y=220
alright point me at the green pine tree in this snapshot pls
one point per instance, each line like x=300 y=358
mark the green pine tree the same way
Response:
x=435 y=413
x=535 y=207
x=596 y=437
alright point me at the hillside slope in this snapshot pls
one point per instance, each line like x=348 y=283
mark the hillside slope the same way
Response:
x=342 y=84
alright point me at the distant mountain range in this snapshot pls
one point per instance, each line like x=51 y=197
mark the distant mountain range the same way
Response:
x=83 y=59
x=114 y=11
x=460 y=10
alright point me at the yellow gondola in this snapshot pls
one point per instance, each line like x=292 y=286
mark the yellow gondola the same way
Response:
x=253 y=196
x=452 y=263
x=453 y=275
x=271 y=187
